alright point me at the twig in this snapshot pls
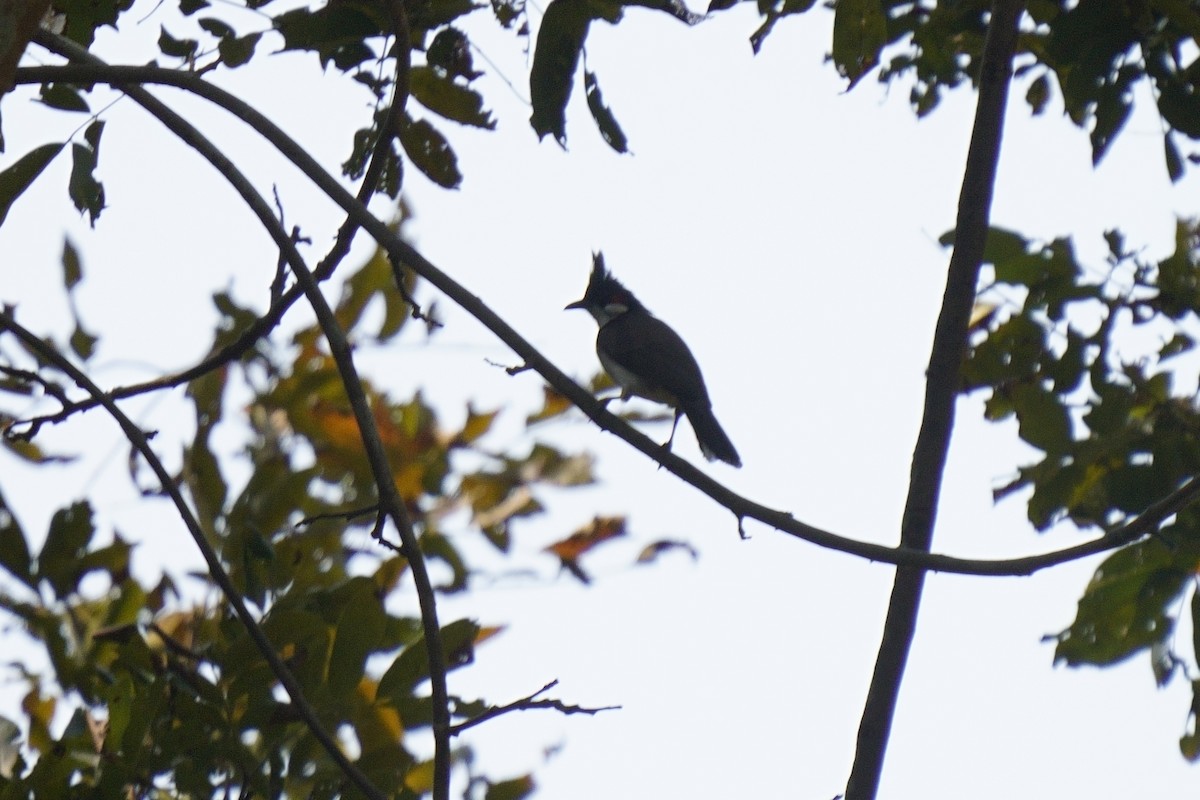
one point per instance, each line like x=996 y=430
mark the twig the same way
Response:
x=526 y=704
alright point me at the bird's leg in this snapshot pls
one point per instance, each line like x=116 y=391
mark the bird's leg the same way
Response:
x=674 y=425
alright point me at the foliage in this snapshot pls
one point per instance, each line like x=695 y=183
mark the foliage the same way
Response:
x=172 y=691
x=1117 y=424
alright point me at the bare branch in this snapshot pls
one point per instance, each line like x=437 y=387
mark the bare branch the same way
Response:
x=526 y=704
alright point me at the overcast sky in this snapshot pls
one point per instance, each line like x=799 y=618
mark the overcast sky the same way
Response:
x=788 y=231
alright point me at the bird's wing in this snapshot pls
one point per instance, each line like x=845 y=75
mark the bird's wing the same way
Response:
x=647 y=346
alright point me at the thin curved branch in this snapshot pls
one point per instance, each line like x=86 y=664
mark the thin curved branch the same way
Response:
x=941 y=393
x=137 y=438
x=741 y=507
x=390 y=499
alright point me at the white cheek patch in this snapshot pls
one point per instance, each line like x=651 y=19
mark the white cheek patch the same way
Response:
x=615 y=308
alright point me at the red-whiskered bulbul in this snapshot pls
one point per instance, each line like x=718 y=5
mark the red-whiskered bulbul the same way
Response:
x=646 y=358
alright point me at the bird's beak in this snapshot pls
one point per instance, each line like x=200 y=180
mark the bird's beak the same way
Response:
x=576 y=304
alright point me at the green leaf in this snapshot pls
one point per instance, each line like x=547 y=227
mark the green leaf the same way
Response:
x=451 y=100
x=512 y=789
x=1043 y=420
x=14 y=549
x=21 y=175
x=609 y=127
x=859 y=34
x=70 y=532
x=430 y=152
x=1125 y=607
x=359 y=630
x=412 y=665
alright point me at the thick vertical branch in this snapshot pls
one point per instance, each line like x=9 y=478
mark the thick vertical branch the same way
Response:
x=933 y=441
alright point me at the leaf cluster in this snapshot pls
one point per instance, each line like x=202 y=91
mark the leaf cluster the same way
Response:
x=171 y=690
x=1118 y=429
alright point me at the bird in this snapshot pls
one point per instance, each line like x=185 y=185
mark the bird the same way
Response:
x=646 y=357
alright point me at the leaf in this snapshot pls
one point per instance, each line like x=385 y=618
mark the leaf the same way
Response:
x=450 y=53
x=336 y=32
x=430 y=152
x=512 y=789
x=238 y=50
x=451 y=100
x=70 y=532
x=554 y=405
x=14 y=548
x=72 y=267
x=555 y=59
x=652 y=551
x=605 y=121
x=86 y=192
x=1125 y=607
x=412 y=665
x=83 y=17
x=1038 y=94
x=478 y=423
x=357 y=635
x=176 y=48
x=17 y=178
x=1174 y=162
x=859 y=34
x=63 y=97
x=1043 y=420
x=590 y=536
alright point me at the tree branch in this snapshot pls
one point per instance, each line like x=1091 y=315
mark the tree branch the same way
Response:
x=526 y=704
x=942 y=388
x=741 y=507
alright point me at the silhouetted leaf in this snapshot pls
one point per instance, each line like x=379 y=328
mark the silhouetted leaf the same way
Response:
x=14 y=548
x=17 y=178
x=63 y=97
x=86 y=192
x=430 y=152
x=605 y=121
x=555 y=59
x=70 y=532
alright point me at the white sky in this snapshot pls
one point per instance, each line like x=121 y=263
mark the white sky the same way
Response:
x=788 y=232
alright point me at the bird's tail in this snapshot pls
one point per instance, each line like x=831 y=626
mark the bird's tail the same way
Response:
x=711 y=436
